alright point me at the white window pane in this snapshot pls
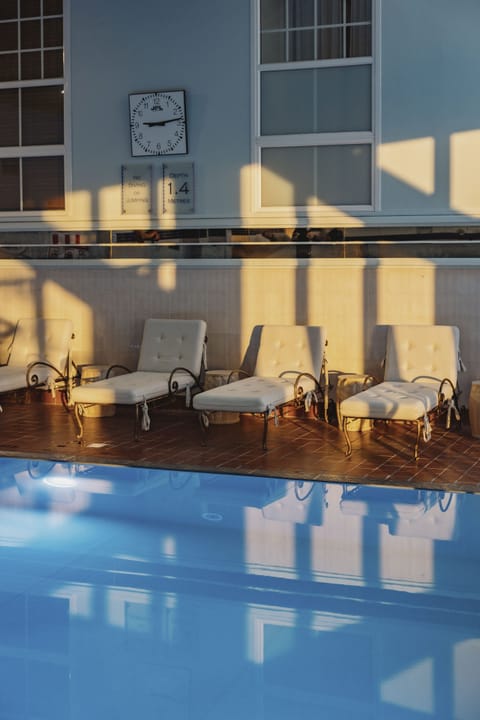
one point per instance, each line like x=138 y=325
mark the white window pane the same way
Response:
x=343 y=175
x=336 y=99
x=343 y=99
x=287 y=176
x=287 y=102
x=324 y=175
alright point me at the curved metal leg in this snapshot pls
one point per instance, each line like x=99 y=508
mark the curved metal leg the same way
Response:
x=348 y=442
x=265 y=429
x=137 y=422
x=204 y=423
x=419 y=434
x=78 y=419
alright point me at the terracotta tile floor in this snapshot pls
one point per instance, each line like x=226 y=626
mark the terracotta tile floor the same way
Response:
x=297 y=448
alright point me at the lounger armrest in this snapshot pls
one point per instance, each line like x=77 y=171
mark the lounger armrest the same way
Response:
x=449 y=403
x=298 y=378
x=33 y=379
x=173 y=384
x=116 y=367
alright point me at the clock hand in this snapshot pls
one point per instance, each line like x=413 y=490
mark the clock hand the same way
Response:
x=161 y=123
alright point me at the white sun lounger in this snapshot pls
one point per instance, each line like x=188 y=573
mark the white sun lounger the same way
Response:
x=172 y=356
x=290 y=367
x=421 y=367
x=39 y=356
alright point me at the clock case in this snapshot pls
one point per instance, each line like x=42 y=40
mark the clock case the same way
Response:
x=157 y=92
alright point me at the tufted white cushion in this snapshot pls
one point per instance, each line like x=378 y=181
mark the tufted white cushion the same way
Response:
x=46 y=339
x=294 y=348
x=391 y=401
x=418 y=358
x=166 y=345
x=252 y=395
x=416 y=352
x=290 y=347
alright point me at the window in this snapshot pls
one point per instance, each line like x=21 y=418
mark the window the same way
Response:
x=32 y=148
x=314 y=135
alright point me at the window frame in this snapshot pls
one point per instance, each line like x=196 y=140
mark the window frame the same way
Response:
x=52 y=150
x=259 y=142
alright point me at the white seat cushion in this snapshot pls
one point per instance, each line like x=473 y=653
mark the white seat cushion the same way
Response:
x=286 y=350
x=392 y=401
x=254 y=395
x=12 y=378
x=128 y=389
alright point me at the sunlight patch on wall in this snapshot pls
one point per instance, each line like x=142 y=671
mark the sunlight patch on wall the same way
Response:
x=411 y=688
x=406 y=294
x=466 y=658
x=167 y=276
x=464 y=164
x=57 y=302
x=80 y=205
x=411 y=161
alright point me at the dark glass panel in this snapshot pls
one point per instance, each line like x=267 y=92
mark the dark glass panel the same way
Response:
x=301 y=13
x=8 y=67
x=8 y=10
x=30 y=8
x=30 y=34
x=301 y=45
x=53 y=64
x=43 y=183
x=329 y=12
x=31 y=65
x=9 y=114
x=52 y=7
x=359 y=41
x=359 y=10
x=273 y=48
x=272 y=15
x=53 y=32
x=329 y=43
x=42 y=115
x=9 y=184
x=8 y=36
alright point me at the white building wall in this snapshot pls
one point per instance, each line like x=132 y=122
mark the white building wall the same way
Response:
x=427 y=110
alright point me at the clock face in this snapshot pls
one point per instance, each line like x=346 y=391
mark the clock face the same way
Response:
x=158 y=124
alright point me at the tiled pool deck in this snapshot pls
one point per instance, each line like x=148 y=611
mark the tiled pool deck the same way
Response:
x=303 y=448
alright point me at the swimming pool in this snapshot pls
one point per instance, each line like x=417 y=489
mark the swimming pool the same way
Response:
x=143 y=593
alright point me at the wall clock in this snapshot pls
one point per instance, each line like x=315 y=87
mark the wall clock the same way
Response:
x=158 y=125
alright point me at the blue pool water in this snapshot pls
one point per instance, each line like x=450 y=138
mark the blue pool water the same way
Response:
x=137 y=593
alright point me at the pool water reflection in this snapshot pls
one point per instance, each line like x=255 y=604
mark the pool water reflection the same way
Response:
x=130 y=592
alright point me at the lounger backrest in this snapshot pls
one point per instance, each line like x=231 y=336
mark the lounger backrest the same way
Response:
x=43 y=339
x=169 y=344
x=419 y=352
x=298 y=348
